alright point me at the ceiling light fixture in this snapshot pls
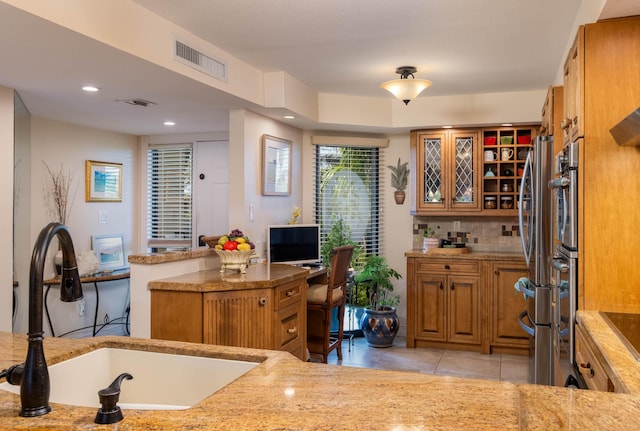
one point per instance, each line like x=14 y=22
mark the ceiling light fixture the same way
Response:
x=289 y=117
x=404 y=88
x=90 y=88
x=169 y=123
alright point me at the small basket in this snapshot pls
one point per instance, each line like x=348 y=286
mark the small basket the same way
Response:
x=490 y=140
x=234 y=259
x=211 y=241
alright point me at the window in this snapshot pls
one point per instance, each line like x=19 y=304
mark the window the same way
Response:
x=347 y=187
x=169 y=197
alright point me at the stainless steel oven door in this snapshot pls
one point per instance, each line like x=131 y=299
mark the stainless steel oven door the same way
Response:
x=566 y=193
x=566 y=301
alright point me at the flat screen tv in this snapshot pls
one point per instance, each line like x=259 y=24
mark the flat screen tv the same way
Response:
x=294 y=244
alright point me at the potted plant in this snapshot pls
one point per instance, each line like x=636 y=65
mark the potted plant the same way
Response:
x=339 y=235
x=430 y=240
x=379 y=323
x=399 y=177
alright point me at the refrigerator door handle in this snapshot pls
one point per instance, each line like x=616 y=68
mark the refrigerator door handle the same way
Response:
x=527 y=247
x=560 y=265
x=528 y=329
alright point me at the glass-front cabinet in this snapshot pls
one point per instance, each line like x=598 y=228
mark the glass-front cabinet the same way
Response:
x=447 y=166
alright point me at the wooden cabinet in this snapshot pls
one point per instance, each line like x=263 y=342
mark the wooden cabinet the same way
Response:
x=465 y=303
x=504 y=154
x=265 y=318
x=573 y=81
x=443 y=303
x=552 y=115
x=446 y=167
x=505 y=305
x=608 y=180
x=588 y=365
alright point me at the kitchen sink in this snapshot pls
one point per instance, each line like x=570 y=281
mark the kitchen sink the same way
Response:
x=161 y=381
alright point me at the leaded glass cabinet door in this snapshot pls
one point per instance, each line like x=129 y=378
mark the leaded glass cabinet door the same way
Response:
x=432 y=170
x=465 y=192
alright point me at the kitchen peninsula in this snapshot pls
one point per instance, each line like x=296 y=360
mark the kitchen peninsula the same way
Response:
x=263 y=308
x=285 y=393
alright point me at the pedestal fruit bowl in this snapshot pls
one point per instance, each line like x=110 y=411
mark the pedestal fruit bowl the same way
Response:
x=235 y=250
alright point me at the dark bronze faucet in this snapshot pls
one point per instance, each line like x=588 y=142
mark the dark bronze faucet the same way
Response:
x=33 y=375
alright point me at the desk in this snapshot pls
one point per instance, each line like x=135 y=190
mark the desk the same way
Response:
x=95 y=279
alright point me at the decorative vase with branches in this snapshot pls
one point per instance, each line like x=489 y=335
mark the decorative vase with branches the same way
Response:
x=59 y=186
x=58 y=189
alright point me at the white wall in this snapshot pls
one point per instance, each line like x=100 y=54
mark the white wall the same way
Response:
x=245 y=139
x=6 y=210
x=69 y=146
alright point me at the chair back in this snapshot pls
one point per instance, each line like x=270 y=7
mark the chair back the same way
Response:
x=339 y=274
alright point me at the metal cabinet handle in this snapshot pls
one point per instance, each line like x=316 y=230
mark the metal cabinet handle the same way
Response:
x=453 y=286
x=292 y=330
x=262 y=301
x=496 y=272
x=586 y=369
x=447 y=267
x=441 y=286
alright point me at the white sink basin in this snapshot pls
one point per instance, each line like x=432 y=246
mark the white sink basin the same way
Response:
x=160 y=381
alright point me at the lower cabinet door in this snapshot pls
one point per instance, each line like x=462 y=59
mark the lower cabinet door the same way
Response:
x=430 y=307
x=464 y=311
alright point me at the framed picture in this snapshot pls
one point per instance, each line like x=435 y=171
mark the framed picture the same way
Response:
x=109 y=249
x=276 y=166
x=103 y=181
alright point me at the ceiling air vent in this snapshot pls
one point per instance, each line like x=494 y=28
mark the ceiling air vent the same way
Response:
x=138 y=102
x=206 y=64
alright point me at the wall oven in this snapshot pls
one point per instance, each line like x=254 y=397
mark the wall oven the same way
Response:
x=565 y=262
x=565 y=186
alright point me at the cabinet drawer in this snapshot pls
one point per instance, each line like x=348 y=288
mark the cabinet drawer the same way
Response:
x=288 y=329
x=289 y=293
x=589 y=367
x=444 y=266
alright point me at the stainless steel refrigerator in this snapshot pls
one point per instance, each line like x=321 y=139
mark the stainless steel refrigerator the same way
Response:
x=536 y=221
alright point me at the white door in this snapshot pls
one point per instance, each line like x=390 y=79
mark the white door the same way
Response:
x=211 y=188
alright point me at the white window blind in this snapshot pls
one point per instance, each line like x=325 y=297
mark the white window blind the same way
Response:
x=169 y=196
x=347 y=187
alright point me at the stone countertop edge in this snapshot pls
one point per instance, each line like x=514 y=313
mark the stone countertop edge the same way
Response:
x=473 y=255
x=618 y=362
x=155 y=258
x=258 y=276
x=284 y=393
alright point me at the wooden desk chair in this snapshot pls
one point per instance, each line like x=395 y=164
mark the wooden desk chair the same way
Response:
x=322 y=299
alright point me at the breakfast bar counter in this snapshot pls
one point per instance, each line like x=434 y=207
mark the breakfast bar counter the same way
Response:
x=284 y=393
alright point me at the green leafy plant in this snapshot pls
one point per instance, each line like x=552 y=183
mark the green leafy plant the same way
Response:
x=430 y=232
x=399 y=175
x=376 y=277
x=339 y=235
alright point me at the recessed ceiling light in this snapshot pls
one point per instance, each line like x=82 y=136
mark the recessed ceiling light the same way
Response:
x=90 y=88
x=289 y=117
x=169 y=123
x=447 y=127
x=507 y=125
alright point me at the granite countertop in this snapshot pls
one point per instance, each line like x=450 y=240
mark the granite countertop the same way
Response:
x=619 y=364
x=283 y=393
x=441 y=253
x=258 y=276
x=172 y=256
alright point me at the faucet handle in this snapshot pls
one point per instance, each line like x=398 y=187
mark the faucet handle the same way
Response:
x=110 y=412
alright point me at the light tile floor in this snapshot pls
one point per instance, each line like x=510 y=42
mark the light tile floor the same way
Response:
x=496 y=366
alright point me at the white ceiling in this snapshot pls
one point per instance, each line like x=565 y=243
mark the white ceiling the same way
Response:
x=343 y=47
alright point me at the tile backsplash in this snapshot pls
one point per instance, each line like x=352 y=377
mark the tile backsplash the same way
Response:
x=478 y=233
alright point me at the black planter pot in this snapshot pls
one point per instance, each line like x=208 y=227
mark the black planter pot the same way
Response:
x=380 y=327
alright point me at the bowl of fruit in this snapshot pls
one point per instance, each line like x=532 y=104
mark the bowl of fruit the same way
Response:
x=235 y=250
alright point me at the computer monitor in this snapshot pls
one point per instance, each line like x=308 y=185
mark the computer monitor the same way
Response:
x=294 y=244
